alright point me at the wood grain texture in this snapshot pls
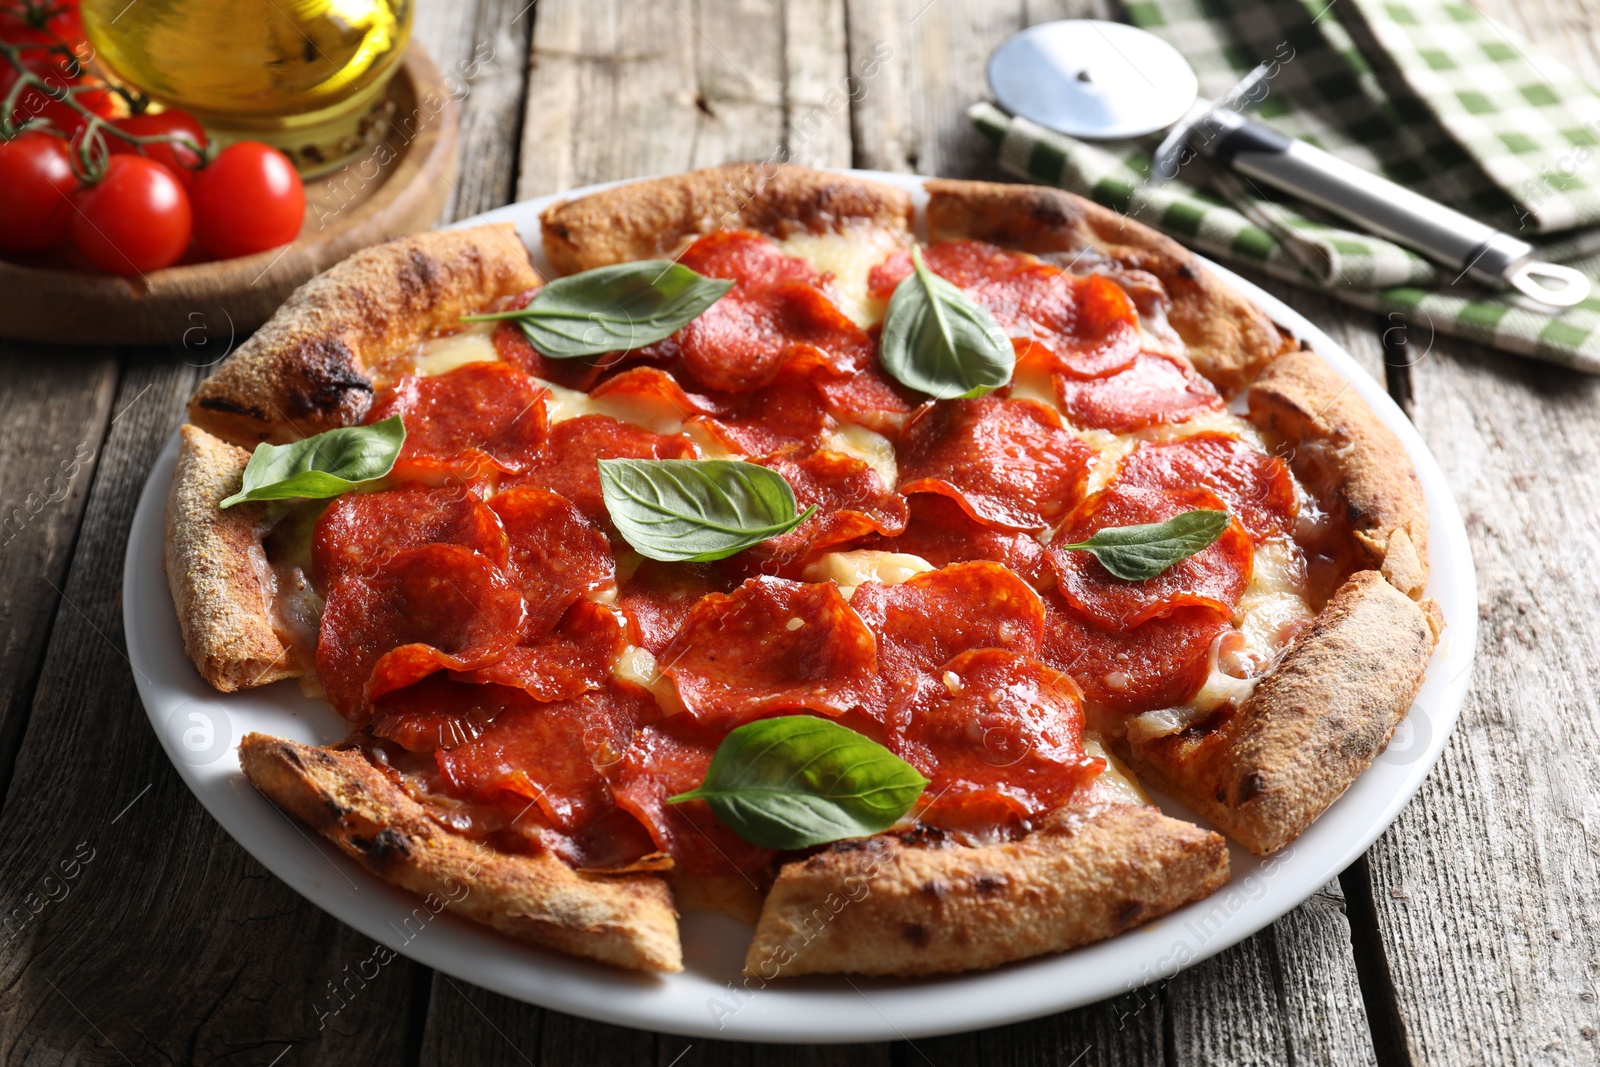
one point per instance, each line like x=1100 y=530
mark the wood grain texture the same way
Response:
x=164 y=942
x=53 y=414
x=482 y=49
x=1484 y=887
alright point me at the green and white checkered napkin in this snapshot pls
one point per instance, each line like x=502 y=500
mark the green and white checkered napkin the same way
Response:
x=1427 y=92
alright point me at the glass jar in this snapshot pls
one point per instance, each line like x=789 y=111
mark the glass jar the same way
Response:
x=307 y=76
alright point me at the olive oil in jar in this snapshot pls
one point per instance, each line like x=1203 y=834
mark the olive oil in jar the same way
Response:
x=308 y=76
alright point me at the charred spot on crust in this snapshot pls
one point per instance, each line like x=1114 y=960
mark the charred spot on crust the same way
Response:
x=923 y=836
x=1186 y=271
x=1129 y=913
x=1250 y=786
x=337 y=810
x=989 y=884
x=417 y=277
x=386 y=846
x=1205 y=727
x=228 y=407
x=326 y=379
x=917 y=934
x=934 y=890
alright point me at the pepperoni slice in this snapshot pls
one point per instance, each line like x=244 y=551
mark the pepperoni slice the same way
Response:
x=1213 y=577
x=664 y=761
x=1157 y=664
x=659 y=596
x=439 y=712
x=556 y=555
x=549 y=754
x=865 y=395
x=1086 y=322
x=478 y=415
x=1257 y=487
x=925 y=621
x=1157 y=389
x=789 y=413
x=1006 y=462
x=359 y=530
x=743 y=340
x=747 y=257
x=1000 y=737
x=771 y=644
x=652 y=397
x=422 y=610
x=562 y=664
x=850 y=499
x=568 y=463
x=941 y=533
x=514 y=348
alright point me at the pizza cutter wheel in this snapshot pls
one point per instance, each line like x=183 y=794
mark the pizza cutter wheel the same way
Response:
x=1109 y=81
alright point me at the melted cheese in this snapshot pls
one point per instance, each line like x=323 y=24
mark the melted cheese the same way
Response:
x=472 y=344
x=873 y=449
x=849 y=257
x=1116 y=782
x=1274 y=604
x=637 y=665
x=852 y=569
x=1271 y=610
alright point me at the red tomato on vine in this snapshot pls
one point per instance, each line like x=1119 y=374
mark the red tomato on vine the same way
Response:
x=248 y=199
x=135 y=219
x=36 y=185
x=177 y=158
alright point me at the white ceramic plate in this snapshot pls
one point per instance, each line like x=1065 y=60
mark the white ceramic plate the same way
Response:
x=200 y=730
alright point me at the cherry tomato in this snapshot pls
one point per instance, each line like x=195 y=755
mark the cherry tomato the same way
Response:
x=248 y=199
x=170 y=154
x=135 y=219
x=40 y=21
x=36 y=184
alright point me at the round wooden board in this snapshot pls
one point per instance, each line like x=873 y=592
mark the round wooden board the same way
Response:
x=398 y=186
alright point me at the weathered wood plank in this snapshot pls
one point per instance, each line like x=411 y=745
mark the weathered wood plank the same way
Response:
x=53 y=415
x=913 y=115
x=1484 y=887
x=139 y=930
x=621 y=90
x=482 y=48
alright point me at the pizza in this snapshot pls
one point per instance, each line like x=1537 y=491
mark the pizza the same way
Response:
x=785 y=557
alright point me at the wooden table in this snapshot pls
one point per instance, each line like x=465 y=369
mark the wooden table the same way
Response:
x=1470 y=933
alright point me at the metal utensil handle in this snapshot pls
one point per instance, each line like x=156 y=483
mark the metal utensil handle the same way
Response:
x=1388 y=210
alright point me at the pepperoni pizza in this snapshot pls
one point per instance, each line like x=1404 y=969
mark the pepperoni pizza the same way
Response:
x=532 y=690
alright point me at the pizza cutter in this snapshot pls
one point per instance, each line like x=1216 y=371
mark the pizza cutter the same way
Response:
x=1099 y=80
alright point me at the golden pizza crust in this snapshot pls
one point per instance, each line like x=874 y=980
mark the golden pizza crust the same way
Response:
x=309 y=368
x=217 y=569
x=1350 y=460
x=651 y=218
x=886 y=906
x=1228 y=338
x=1264 y=771
x=627 y=920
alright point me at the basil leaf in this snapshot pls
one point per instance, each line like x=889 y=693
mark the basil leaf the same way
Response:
x=696 y=509
x=613 y=309
x=797 y=781
x=938 y=341
x=323 y=465
x=1134 y=553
